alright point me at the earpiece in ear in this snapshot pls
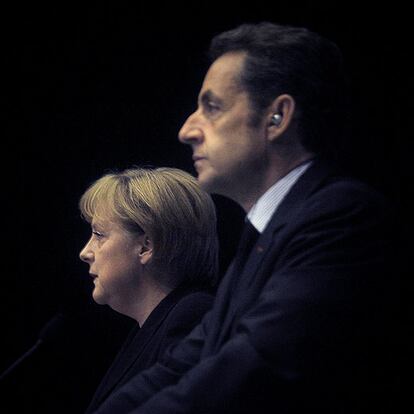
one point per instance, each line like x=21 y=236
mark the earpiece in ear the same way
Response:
x=276 y=119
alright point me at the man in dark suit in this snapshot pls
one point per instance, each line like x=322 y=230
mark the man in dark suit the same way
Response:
x=298 y=324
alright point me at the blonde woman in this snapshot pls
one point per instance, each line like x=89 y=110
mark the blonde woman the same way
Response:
x=152 y=256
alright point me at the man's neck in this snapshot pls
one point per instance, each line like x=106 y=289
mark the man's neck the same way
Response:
x=279 y=170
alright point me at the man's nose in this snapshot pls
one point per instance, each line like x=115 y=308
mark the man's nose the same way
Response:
x=191 y=131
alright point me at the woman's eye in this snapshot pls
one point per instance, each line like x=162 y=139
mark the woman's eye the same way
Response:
x=97 y=234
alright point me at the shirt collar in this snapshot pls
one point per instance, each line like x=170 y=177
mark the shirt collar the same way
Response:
x=264 y=208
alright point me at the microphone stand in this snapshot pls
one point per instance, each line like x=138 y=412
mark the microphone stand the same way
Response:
x=20 y=360
x=50 y=331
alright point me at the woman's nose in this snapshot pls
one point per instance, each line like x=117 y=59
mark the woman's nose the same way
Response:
x=86 y=254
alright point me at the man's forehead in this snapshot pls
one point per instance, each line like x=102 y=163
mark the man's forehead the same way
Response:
x=224 y=74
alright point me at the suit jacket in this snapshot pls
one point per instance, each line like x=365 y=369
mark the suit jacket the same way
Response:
x=173 y=318
x=301 y=329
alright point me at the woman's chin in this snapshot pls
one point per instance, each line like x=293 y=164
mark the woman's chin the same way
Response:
x=98 y=296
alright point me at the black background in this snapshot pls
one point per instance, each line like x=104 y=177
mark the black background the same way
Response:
x=107 y=85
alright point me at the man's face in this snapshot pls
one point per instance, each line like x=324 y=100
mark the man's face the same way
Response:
x=228 y=152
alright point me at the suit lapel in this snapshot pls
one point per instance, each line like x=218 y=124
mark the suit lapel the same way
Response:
x=135 y=345
x=249 y=279
x=307 y=184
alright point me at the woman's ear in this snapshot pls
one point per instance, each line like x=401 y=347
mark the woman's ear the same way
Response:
x=145 y=250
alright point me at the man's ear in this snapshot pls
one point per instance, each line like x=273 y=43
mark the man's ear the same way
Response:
x=146 y=250
x=280 y=115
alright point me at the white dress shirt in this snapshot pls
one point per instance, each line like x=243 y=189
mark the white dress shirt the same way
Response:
x=264 y=208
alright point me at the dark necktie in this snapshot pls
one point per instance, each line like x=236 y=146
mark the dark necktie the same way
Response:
x=248 y=238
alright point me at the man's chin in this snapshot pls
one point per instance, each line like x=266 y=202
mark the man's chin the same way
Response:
x=211 y=185
x=206 y=183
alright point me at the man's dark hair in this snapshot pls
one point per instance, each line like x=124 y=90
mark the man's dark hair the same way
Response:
x=296 y=61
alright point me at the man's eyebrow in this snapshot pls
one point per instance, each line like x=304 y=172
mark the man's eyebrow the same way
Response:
x=207 y=96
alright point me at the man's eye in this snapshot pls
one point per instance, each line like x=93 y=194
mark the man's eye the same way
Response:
x=97 y=234
x=211 y=107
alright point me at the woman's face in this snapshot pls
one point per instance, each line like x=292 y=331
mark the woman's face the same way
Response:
x=113 y=255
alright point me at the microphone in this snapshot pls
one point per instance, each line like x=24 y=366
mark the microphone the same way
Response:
x=51 y=330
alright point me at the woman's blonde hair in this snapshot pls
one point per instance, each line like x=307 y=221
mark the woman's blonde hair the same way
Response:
x=168 y=205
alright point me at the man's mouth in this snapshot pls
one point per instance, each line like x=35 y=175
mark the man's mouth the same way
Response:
x=197 y=157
